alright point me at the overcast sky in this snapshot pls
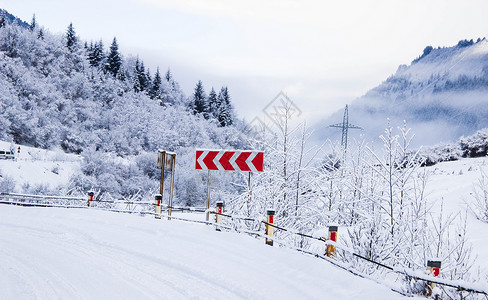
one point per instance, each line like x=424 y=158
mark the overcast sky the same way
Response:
x=323 y=54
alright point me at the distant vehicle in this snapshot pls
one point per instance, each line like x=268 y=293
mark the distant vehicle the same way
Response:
x=6 y=154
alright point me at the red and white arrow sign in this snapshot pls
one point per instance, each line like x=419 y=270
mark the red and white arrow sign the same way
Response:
x=229 y=160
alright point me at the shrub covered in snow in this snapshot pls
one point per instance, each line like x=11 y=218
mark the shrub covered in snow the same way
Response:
x=475 y=145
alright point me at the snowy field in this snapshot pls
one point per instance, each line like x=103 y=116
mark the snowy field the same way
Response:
x=51 y=253
x=452 y=183
x=35 y=166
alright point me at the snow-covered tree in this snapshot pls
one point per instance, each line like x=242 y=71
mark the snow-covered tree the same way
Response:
x=96 y=54
x=224 y=108
x=71 y=38
x=33 y=24
x=114 y=60
x=3 y=19
x=198 y=103
x=157 y=82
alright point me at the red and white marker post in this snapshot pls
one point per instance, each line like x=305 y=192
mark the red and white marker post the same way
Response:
x=90 y=198
x=331 y=249
x=157 y=205
x=434 y=267
x=269 y=226
x=218 y=217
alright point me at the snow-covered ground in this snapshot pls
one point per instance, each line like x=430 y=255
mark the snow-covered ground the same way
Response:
x=452 y=183
x=36 y=167
x=52 y=253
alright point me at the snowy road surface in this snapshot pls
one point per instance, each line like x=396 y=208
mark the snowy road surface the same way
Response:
x=52 y=253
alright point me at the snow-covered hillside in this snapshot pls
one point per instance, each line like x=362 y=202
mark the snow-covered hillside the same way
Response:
x=50 y=253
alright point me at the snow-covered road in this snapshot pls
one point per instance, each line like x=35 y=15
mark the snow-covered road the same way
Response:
x=52 y=253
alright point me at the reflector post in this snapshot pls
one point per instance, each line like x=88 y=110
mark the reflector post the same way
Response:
x=90 y=198
x=269 y=228
x=331 y=249
x=218 y=217
x=157 y=205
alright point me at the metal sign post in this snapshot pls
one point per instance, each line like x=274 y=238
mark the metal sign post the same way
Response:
x=173 y=161
x=208 y=197
x=166 y=162
x=161 y=159
x=250 y=192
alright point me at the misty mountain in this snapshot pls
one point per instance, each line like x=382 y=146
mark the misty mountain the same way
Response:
x=442 y=95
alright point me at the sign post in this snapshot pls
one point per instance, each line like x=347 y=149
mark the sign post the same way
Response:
x=208 y=198
x=166 y=162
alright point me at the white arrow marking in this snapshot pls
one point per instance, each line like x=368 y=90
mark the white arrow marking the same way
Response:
x=217 y=162
x=200 y=160
x=232 y=160
x=249 y=161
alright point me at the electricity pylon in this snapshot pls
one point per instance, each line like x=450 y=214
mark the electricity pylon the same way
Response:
x=345 y=127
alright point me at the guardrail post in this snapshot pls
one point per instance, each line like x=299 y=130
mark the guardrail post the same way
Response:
x=434 y=267
x=157 y=205
x=90 y=198
x=218 y=217
x=269 y=228
x=332 y=237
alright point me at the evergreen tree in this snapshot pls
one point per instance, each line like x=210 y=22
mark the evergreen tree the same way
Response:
x=142 y=80
x=3 y=19
x=95 y=54
x=114 y=60
x=156 y=86
x=213 y=104
x=225 y=110
x=40 y=34
x=199 y=103
x=148 y=79
x=71 y=39
x=137 y=82
x=33 y=24
x=168 y=76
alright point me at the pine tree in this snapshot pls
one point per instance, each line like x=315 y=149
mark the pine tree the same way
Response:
x=114 y=60
x=156 y=86
x=71 y=39
x=95 y=54
x=168 y=76
x=3 y=19
x=199 y=103
x=40 y=34
x=142 y=80
x=213 y=104
x=33 y=24
x=225 y=110
x=148 y=78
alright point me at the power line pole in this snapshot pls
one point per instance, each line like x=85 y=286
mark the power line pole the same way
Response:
x=345 y=127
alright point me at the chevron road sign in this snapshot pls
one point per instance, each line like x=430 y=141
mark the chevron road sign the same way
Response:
x=229 y=160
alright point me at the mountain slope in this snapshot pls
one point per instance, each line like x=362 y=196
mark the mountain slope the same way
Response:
x=442 y=95
x=81 y=254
